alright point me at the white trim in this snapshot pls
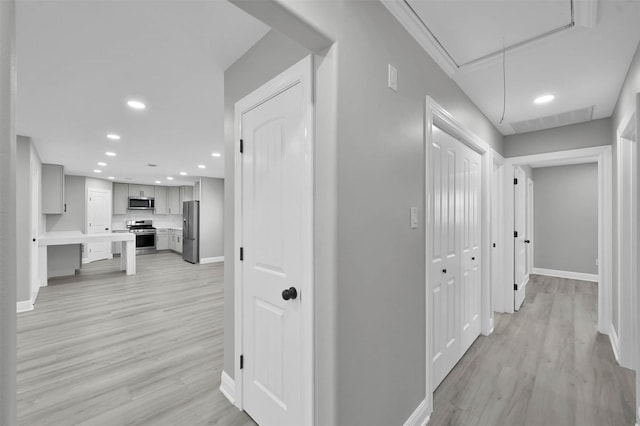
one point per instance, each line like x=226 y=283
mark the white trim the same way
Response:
x=436 y=115
x=615 y=342
x=24 y=306
x=216 y=259
x=228 y=387
x=602 y=156
x=300 y=73
x=419 y=417
x=566 y=274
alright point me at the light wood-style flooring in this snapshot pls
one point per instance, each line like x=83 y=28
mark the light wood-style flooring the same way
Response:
x=103 y=348
x=546 y=365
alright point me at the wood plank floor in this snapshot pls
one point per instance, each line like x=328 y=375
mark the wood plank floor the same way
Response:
x=103 y=348
x=546 y=365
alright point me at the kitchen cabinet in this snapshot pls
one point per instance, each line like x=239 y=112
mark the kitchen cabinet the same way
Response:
x=186 y=194
x=141 y=191
x=161 y=200
x=162 y=239
x=173 y=200
x=120 y=198
x=52 y=189
x=175 y=240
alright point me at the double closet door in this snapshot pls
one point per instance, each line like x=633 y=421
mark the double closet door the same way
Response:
x=455 y=264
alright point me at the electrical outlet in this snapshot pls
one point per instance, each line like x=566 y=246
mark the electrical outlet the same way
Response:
x=393 y=78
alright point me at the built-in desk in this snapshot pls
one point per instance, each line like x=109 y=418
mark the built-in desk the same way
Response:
x=127 y=258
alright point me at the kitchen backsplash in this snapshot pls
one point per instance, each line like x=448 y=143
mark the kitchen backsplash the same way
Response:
x=118 y=221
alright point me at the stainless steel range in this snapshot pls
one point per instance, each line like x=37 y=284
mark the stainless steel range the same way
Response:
x=145 y=235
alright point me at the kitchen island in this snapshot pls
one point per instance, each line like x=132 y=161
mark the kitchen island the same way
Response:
x=127 y=258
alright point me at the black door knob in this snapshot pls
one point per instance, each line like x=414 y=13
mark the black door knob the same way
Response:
x=527 y=241
x=444 y=271
x=34 y=240
x=473 y=258
x=290 y=293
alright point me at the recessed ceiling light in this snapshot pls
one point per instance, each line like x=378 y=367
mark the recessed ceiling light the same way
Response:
x=102 y=164
x=111 y=177
x=113 y=136
x=169 y=178
x=158 y=181
x=543 y=99
x=183 y=173
x=202 y=166
x=110 y=154
x=97 y=171
x=136 y=104
x=216 y=154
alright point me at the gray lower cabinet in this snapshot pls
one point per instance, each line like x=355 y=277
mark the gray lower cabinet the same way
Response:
x=175 y=240
x=162 y=239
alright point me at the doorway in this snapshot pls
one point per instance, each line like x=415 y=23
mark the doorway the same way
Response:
x=274 y=269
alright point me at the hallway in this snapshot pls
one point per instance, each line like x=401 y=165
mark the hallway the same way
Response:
x=545 y=365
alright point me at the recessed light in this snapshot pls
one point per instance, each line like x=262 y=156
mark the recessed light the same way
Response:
x=202 y=166
x=113 y=136
x=97 y=171
x=158 y=181
x=543 y=99
x=102 y=164
x=216 y=154
x=183 y=173
x=110 y=154
x=111 y=177
x=136 y=104
x=169 y=178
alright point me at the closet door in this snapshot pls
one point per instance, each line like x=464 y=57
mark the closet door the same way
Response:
x=445 y=267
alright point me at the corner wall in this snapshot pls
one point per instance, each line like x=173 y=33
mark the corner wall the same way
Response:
x=211 y=217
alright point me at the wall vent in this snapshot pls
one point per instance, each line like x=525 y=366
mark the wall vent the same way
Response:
x=557 y=120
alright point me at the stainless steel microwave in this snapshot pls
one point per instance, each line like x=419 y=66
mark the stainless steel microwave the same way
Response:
x=142 y=203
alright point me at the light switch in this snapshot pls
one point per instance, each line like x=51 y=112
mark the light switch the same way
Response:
x=393 y=78
x=414 y=217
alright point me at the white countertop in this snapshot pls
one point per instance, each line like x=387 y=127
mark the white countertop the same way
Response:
x=77 y=237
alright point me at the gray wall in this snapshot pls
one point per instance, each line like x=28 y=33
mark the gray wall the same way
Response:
x=624 y=106
x=270 y=56
x=23 y=207
x=566 y=218
x=379 y=330
x=75 y=198
x=7 y=215
x=582 y=135
x=211 y=217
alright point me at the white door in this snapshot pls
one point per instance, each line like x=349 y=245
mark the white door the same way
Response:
x=445 y=263
x=471 y=232
x=521 y=276
x=276 y=246
x=99 y=221
x=529 y=236
x=455 y=265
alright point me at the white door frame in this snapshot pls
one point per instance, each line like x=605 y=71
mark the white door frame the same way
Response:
x=497 y=231
x=600 y=155
x=627 y=205
x=436 y=115
x=300 y=73
x=530 y=224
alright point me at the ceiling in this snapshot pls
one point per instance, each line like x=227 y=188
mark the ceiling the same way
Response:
x=79 y=62
x=579 y=51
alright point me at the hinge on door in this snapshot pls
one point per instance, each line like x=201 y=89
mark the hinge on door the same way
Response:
x=241 y=253
x=515 y=234
x=241 y=362
x=241 y=146
x=515 y=181
x=515 y=287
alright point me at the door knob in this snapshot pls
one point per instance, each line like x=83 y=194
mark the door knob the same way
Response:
x=473 y=258
x=34 y=240
x=289 y=293
x=527 y=241
x=444 y=271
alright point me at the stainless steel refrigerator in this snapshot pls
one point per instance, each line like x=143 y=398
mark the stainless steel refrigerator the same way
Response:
x=191 y=231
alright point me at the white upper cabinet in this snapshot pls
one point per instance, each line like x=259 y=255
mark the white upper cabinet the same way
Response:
x=146 y=191
x=173 y=200
x=120 y=198
x=52 y=189
x=161 y=200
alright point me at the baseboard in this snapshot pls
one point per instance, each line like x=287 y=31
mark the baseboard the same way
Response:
x=228 y=387
x=566 y=274
x=212 y=259
x=613 y=339
x=24 y=306
x=419 y=417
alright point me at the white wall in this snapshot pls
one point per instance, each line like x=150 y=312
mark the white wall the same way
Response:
x=211 y=218
x=118 y=221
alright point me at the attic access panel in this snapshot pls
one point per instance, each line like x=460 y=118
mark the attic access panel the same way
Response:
x=470 y=30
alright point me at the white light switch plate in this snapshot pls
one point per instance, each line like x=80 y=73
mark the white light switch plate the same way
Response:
x=414 y=217
x=393 y=78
